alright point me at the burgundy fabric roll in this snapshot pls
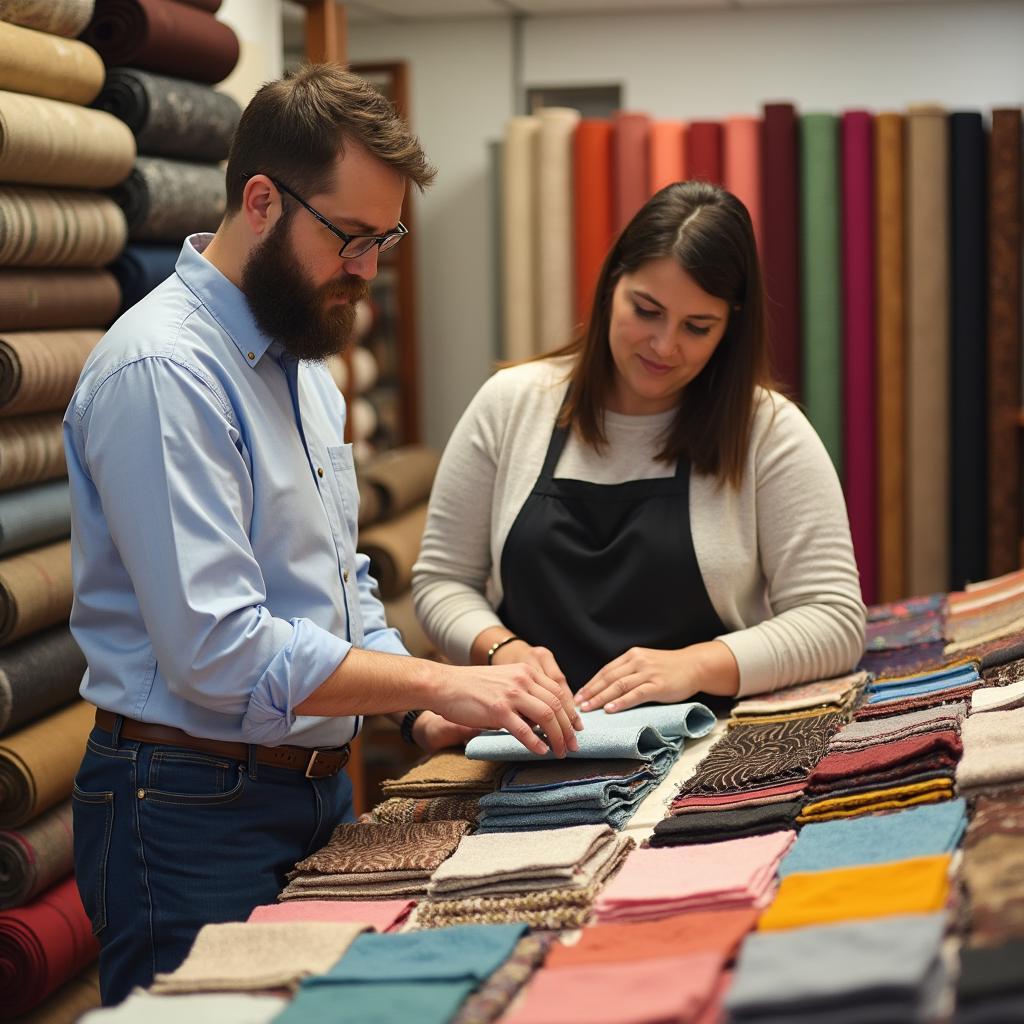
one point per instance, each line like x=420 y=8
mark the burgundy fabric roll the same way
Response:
x=593 y=207
x=43 y=945
x=163 y=35
x=704 y=152
x=859 y=342
x=781 y=253
x=630 y=174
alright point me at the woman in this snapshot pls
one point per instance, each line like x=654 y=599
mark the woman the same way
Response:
x=639 y=512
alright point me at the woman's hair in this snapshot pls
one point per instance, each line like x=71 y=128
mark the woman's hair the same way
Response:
x=708 y=232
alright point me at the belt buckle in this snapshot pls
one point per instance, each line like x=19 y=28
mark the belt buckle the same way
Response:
x=312 y=761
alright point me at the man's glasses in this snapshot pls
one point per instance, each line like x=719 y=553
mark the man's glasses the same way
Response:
x=352 y=246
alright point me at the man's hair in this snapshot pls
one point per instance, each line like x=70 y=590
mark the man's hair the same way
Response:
x=294 y=129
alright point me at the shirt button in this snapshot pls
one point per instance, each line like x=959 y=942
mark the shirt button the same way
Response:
x=344 y=575
x=252 y=355
x=320 y=471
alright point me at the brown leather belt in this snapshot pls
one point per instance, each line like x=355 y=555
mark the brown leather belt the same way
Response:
x=316 y=764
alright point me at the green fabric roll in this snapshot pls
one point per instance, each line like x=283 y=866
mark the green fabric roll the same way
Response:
x=821 y=297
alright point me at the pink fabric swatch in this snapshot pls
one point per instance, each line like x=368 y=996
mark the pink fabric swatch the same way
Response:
x=382 y=915
x=646 y=992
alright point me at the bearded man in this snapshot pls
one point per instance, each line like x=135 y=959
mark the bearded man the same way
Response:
x=232 y=631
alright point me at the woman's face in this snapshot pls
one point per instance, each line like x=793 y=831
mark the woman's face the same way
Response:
x=664 y=329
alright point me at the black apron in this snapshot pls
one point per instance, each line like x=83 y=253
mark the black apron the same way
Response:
x=591 y=570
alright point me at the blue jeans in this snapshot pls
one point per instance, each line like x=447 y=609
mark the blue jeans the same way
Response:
x=169 y=839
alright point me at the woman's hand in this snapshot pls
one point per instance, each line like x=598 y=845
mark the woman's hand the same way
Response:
x=432 y=733
x=520 y=652
x=643 y=675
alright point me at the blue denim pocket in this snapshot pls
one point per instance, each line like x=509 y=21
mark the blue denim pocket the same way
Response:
x=93 y=822
x=187 y=777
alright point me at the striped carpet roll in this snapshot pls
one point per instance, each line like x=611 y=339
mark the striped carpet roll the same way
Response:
x=37 y=675
x=34 y=857
x=169 y=116
x=45 y=65
x=35 y=590
x=31 y=450
x=47 y=142
x=30 y=516
x=58 y=228
x=166 y=200
x=59 y=17
x=33 y=299
x=39 y=369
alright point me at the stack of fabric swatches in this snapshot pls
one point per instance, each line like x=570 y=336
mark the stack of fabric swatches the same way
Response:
x=897 y=694
x=381 y=915
x=993 y=751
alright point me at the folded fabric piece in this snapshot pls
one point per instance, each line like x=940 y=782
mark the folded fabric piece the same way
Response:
x=736 y=722
x=398 y=809
x=656 y=883
x=208 y=1008
x=919 y=885
x=1001 y=814
x=381 y=916
x=597 y=792
x=821 y=693
x=445 y=773
x=342 y=887
x=999 y=651
x=38 y=674
x=711 y=931
x=742 y=798
x=899 y=661
x=874 y=800
x=998 y=698
x=672 y=988
x=925 y=627
x=246 y=956
x=494 y=997
x=888 y=708
x=733 y=823
x=922 y=682
x=859 y=734
x=615 y=813
x=906 y=607
x=993 y=752
x=35 y=856
x=560 y=775
x=876 y=970
x=1002 y=675
x=916 y=832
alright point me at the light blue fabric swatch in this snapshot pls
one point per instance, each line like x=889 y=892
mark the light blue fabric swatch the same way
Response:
x=877 y=838
x=593 y=794
x=947 y=677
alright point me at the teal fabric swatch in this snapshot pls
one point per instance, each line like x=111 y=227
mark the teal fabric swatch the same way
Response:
x=425 y=1002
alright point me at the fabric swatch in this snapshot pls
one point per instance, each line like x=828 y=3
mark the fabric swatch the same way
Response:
x=820 y=693
x=863 y=733
x=730 y=823
x=446 y=772
x=493 y=998
x=399 y=809
x=207 y=1008
x=890 y=798
x=993 y=753
x=998 y=698
x=382 y=915
x=993 y=877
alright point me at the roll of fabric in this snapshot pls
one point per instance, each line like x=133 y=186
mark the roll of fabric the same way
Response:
x=58 y=17
x=35 y=857
x=164 y=36
x=889 y=354
x=31 y=450
x=67 y=1005
x=927 y=362
x=38 y=763
x=34 y=516
x=704 y=155
x=57 y=228
x=593 y=207
x=165 y=200
x=35 y=590
x=393 y=548
x=43 y=65
x=781 y=253
x=822 y=282
x=741 y=166
x=42 y=946
x=858 y=268
x=668 y=154
x=401 y=614
x=47 y=142
x=554 y=280
x=37 y=675
x=32 y=299
x=630 y=156
x=39 y=369
x=140 y=268
x=968 y=189
x=1004 y=331
x=213 y=6
x=519 y=203
x=169 y=116
x=403 y=477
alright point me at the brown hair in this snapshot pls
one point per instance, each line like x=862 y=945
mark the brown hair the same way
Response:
x=294 y=128
x=708 y=232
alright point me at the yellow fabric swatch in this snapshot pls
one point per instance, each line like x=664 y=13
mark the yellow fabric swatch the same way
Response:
x=916 y=886
x=930 y=792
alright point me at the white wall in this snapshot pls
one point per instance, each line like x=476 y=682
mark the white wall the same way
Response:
x=709 y=64
x=257 y=23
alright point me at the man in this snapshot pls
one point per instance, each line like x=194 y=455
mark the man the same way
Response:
x=231 y=630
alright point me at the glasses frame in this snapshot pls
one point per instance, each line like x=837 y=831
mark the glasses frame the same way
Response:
x=383 y=242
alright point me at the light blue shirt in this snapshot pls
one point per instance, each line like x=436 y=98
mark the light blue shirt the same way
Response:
x=214 y=509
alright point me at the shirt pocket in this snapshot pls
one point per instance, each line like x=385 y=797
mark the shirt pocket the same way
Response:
x=346 y=489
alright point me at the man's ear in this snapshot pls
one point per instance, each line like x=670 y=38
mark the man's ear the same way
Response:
x=261 y=204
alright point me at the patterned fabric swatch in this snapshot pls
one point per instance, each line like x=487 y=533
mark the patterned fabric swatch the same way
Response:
x=405 y=810
x=906 y=632
x=448 y=772
x=905 y=659
x=491 y=1001
x=820 y=693
x=907 y=608
x=1003 y=675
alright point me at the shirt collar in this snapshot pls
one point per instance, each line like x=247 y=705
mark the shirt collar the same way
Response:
x=225 y=301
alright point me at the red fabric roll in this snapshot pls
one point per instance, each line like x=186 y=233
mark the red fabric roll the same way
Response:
x=742 y=167
x=859 y=342
x=704 y=151
x=43 y=945
x=781 y=252
x=630 y=165
x=593 y=207
x=667 y=157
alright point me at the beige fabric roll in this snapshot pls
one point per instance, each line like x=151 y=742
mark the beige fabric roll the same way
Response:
x=518 y=210
x=60 y=17
x=39 y=369
x=35 y=590
x=393 y=548
x=403 y=477
x=38 y=763
x=553 y=230
x=927 y=364
x=401 y=614
x=34 y=299
x=31 y=450
x=45 y=65
x=370 y=502
x=59 y=228
x=46 y=142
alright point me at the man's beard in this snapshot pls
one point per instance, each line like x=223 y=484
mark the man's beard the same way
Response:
x=289 y=308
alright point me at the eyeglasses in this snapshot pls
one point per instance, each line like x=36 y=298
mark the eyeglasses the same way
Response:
x=352 y=246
